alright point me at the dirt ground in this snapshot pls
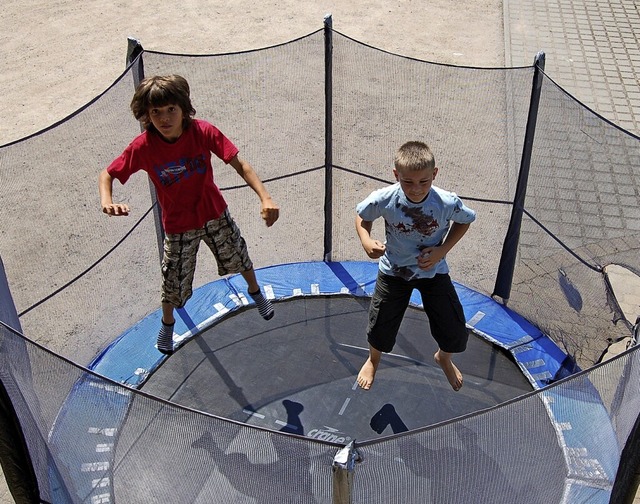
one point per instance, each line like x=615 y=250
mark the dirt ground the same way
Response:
x=57 y=55
x=73 y=52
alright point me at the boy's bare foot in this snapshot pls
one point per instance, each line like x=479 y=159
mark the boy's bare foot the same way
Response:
x=366 y=375
x=452 y=373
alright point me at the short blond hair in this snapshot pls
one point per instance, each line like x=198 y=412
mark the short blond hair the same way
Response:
x=414 y=156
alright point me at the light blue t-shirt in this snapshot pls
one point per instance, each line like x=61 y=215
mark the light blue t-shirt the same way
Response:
x=411 y=227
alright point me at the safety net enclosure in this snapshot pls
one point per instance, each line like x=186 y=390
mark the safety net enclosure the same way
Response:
x=555 y=187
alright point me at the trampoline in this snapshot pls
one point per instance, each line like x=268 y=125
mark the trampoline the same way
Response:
x=297 y=372
x=250 y=411
x=295 y=375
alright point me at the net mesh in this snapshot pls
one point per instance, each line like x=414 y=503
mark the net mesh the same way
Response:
x=582 y=189
x=79 y=279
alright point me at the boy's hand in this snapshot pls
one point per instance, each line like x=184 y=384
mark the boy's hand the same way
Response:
x=374 y=248
x=116 y=209
x=270 y=212
x=429 y=257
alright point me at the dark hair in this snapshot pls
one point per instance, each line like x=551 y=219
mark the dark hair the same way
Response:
x=159 y=91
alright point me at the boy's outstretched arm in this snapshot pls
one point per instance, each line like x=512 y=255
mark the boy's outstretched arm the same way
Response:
x=431 y=255
x=374 y=248
x=270 y=211
x=105 y=186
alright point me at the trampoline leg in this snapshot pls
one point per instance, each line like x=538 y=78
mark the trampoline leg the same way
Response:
x=342 y=469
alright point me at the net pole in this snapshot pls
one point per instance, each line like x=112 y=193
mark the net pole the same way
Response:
x=15 y=457
x=328 y=137
x=134 y=49
x=342 y=469
x=134 y=57
x=627 y=480
x=504 y=278
x=625 y=486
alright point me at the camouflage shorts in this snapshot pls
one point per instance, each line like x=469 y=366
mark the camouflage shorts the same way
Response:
x=222 y=236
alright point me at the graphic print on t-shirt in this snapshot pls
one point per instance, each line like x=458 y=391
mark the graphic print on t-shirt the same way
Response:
x=174 y=171
x=419 y=224
x=423 y=224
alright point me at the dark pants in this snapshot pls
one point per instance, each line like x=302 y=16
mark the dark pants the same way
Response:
x=441 y=304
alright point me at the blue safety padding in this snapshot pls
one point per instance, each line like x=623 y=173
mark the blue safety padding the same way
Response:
x=133 y=355
x=86 y=429
x=589 y=441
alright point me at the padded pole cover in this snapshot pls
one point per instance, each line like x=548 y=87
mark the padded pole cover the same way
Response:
x=14 y=455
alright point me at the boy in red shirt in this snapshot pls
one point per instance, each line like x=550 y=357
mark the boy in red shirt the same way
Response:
x=175 y=151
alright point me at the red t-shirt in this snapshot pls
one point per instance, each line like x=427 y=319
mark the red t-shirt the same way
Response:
x=181 y=173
